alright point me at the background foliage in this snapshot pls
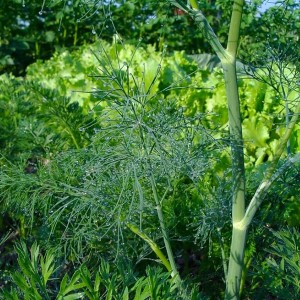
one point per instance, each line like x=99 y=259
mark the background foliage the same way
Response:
x=37 y=29
x=83 y=132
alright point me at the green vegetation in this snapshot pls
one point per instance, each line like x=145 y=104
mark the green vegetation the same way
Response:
x=134 y=168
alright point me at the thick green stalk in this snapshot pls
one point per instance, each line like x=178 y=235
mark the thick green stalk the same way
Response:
x=228 y=59
x=164 y=231
x=261 y=191
x=238 y=239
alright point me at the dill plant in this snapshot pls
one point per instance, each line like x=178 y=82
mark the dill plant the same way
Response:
x=99 y=199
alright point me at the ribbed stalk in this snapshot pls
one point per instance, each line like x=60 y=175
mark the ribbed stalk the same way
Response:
x=238 y=239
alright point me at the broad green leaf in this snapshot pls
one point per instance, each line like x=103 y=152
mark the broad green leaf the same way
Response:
x=125 y=295
x=73 y=296
x=49 y=36
x=255 y=131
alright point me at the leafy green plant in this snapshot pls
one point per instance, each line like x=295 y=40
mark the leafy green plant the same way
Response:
x=279 y=271
x=84 y=196
x=34 y=276
x=286 y=248
x=37 y=279
x=37 y=121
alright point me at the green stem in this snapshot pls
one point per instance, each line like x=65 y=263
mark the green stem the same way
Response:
x=262 y=189
x=152 y=244
x=75 y=35
x=209 y=34
x=238 y=240
x=73 y=138
x=271 y=174
x=236 y=263
x=284 y=140
x=22 y=227
x=228 y=59
x=37 y=49
x=223 y=255
x=236 y=141
x=164 y=231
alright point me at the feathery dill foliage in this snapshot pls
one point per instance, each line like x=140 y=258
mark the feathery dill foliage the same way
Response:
x=85 y=197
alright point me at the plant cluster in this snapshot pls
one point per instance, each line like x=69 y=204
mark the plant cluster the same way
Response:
x=119 y=174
